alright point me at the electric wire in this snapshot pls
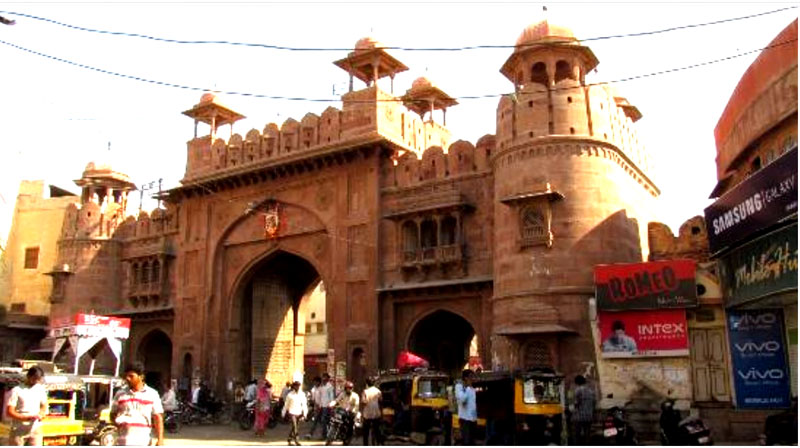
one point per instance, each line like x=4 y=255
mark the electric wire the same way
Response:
x=395 y=99
x=399 y=48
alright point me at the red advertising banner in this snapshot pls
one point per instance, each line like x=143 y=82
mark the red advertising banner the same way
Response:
x=92 y=325
x=102 y=321
x=642 y=286
x=631 y=334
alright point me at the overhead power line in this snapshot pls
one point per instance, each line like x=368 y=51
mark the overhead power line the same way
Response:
x=400 y=48
x=332 y=100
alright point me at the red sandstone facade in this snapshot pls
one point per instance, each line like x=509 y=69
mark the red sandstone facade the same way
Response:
x=422 y=242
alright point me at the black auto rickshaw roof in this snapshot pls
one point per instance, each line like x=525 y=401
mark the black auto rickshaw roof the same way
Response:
x=409 y=376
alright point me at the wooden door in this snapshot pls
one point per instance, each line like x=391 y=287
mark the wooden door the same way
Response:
x=709 y=364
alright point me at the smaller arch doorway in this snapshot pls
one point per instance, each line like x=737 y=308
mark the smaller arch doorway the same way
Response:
x=446 y=340
x=155 y=351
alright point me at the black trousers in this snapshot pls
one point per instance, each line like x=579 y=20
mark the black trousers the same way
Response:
x=467 y=428
x=372 y=425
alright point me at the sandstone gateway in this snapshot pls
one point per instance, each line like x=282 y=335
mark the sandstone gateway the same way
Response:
x=422 y=242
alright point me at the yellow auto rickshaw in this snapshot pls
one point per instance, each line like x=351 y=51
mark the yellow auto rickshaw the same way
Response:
x=63 y=424
x=100 y=390
x=415 y=406
x=521 y=408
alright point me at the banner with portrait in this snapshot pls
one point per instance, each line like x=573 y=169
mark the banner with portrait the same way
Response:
x=633 y=334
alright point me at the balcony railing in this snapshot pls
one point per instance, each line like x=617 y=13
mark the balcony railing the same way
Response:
x=452 y=253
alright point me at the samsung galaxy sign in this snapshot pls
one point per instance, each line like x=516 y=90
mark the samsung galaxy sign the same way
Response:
x=763 y=199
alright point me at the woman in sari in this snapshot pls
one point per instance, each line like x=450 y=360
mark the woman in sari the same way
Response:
x=263 y=405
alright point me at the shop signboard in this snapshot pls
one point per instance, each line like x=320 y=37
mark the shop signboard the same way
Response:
x=640 y=286
x=92 y=325
x=762 y=200
x=634 y=334
x=758 y=353
x=765 y=266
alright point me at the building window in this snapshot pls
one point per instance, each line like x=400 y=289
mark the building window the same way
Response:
x=18 y=307
x=31 y=258
x=534 y=224
x=539 y=74
x=155 y=272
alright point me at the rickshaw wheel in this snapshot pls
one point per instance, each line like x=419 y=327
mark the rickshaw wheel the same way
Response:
x=108 y=438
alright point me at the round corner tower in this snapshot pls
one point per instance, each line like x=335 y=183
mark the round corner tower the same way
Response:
x=571 y=191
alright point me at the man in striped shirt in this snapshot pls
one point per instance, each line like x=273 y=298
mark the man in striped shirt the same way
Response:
x=137 y=409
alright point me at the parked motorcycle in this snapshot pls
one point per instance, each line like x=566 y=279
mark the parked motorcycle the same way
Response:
x=616 y=429
x=172 y=421
x=781 y=428
x=676 y=430
x=340 y=427
x=248 y=417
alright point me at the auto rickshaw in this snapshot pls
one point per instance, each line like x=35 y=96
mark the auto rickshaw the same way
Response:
x=63 y=424
x=415 y=405
x=522 y=408
x=100 y=390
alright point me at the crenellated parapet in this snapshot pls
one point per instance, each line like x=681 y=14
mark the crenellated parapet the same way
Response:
x=691 y=241
x=365 y=113
x=461 y=158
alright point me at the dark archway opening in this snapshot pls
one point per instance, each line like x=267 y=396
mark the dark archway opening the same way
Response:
x=155 y=351
x=443 y=338
x=272 y=318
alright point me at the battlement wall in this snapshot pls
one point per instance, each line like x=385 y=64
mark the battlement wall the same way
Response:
x=364 y=112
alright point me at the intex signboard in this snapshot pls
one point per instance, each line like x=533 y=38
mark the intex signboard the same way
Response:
x=760 y=373
x=658 y=284
x=631 y=334
x=763 y=199
x=765 y=266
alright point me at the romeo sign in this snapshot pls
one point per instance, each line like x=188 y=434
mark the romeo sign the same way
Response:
x=631 y=334
x=659 y=284
x=763 y=199
x=759 y=361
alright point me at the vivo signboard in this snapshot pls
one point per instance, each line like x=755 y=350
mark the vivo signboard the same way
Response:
x=763 y=199
x=760 y=373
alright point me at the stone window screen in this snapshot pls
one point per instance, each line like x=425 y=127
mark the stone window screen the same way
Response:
x=536 y=354
x=534 y=224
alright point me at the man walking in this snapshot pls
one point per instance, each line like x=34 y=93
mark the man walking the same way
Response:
x=27 y=406
x=325 y=394
x=584 y=411
x=136 y=409
x=372 y=413
x=467 y=409
x=296 y=406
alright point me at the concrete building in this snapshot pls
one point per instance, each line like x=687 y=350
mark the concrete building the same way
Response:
x=30 y=253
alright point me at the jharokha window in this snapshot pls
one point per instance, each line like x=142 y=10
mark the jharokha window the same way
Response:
x=535 y=226
x=31 y=258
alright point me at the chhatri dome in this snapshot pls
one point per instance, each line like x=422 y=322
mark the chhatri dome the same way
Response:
x=545 y=32
x=367 y=43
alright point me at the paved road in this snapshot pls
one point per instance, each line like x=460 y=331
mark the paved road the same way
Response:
x=232 y=435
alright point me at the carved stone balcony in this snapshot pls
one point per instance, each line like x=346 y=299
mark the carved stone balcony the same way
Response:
x=430 y=256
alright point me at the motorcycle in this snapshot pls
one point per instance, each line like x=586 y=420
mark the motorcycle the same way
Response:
x=172 y=421
x=247 y=418
x=340 y=427
x=676 y=430
x=616 y=429
x=781 y=428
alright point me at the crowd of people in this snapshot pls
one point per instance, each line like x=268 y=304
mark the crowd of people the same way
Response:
x=138 y=411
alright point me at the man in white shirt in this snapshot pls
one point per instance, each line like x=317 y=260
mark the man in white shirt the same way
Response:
x=372 y=413
x=296 y=406
x=250 y=391
x=136 y=409
x=325 y=395
x=27 y=406
x=467 y=409
x=170 y=399
x=347 y=400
